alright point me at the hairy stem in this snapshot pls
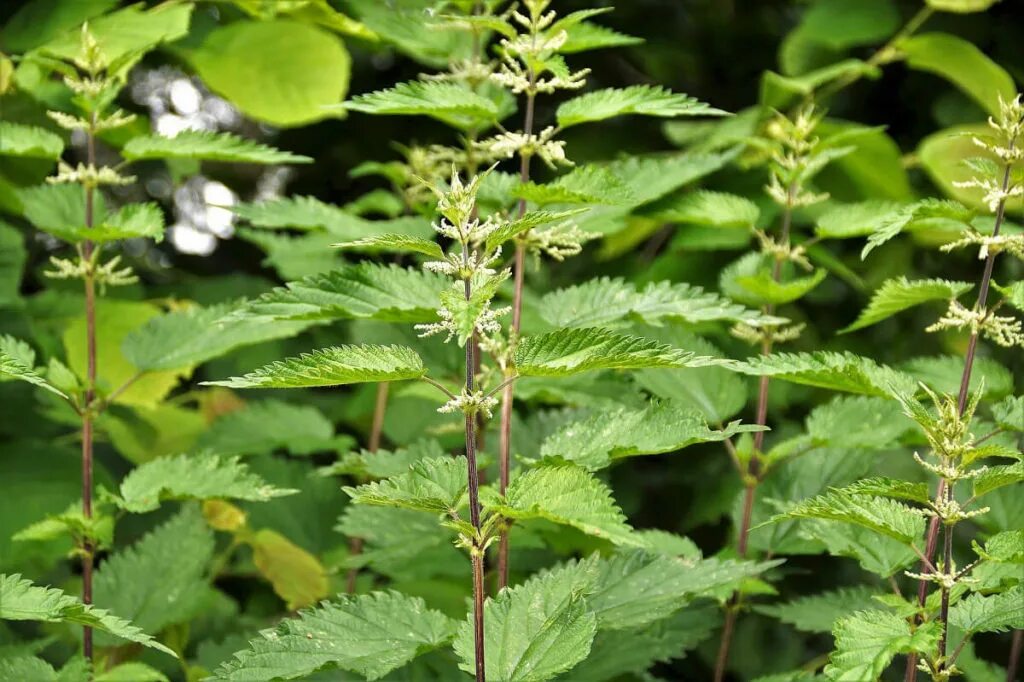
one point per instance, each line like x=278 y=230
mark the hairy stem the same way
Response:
x=477 y=552
x=507 y=395
x=89 y=398
x=965 y=390
x=355 y=545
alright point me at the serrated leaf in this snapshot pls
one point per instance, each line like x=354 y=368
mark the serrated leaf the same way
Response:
x=588 y=184
x=995 y=477
x=371 y=634
x=819 y=612
x=894 y=488
x=193 y=335
x=845 y=221
x=528 y=221
x=580 y=350
x=261 y=427
x=881 y=515
x=16 y=360
x=567 y=495
x=17 y=139
x=199 y=477
x=170 y=561
x=395 y=242
x=943 y=374
x=867 y=641
x=605 y=301
x=708 y=208
x=749 y=280
x=833 y=371
x=21 y=600
x=889 y=225
x=384 y=463
x=899 y=294
x=449 y=102
x=207 y=146
x=993 y=613
x=596 y=441
x=364 y=291
x=875 y=553
x=1009 y=413
x=298 y=212
x=435 y=485
x=1005 y=547
x=334 y=367
x=645 y=100
x=60 y=211
x=858 y=422
x=586 y=36
x=532 y=632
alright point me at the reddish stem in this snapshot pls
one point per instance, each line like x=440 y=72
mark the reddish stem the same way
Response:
x=90 y=389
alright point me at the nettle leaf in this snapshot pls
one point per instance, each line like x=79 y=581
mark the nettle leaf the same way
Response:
x=995 y=477
x=993 y=613
x=201 y=477
x=585 y=184
x=395 y=242
x=897 y=489
x=21 y=600
x=435 y=485
x=919 y=214
x=365 y=291
x=881 y=515
x=532 y=631
x=370 y=634
x=645 y=100
x=446 y=101
x=860 y=219
x=170 y=561
x=261 y=427
x=710 y=209
x=567 y=495
x=334 y=367
x=833 y=371
x=1005 y=547
x=16 y=362
x=207 y=146
x=1009 y=413
x=943 y=373
x=580 y=350
x=384 y=463
x=749 y=280
x=899 y=294
x=17 y=139
x=858 y=422
x=528 y=221
x=194 y=335
x=819 y=612
x=299 y=212
x=586 y=36
x=60 y=211
x=596 y=441
x=867 y=641
x=605 y=301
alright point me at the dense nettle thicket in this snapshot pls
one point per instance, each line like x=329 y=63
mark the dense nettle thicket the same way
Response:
x=520 y=365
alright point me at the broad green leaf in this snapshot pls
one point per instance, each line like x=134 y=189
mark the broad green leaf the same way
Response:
x=530 y=220
x=586 y=36
x=894 y=488
x=193 y=335
x=580 y=350
x=875 y=168
x=126 y=33
x=585 y=184
x=943 y=373
x=749 y=280
x=924 y=213
x=944 y=156
x=16 y=362
x=434 y=485
x=170 y=561
x=199 y=477
x=819 y=612
x=861 y=219
x=961 y=6
x=651 y=177
x=38 y=21
x=833 y=371
x=132 y=671
x=1009 y=413
x=877 y=554
x=567 y=495
x=60 y=210
x=402 y=544
x=21 y=600
x=712 y=209
x=395 y=242
x=384 y=463
x=884 y=516
x=780 y=91
x=17 y=139
x=255 y=66
x=899 y=294
x=962 y=64
x=334 y=367
x=370 y=634
x=532 y=632
x=840 y=24
x=12 y=264
x=450 y=102
x=1005 y=547
x=858 y=422
x=994 y=613
x=207 y=146
x=867 y=641
x=994 y=477
x=363 y=291
x=298 y=212
x=643 y=100
x=28 y=668
x=297 y=576
x=606 y=301
x=603 y=437
x=261 y=427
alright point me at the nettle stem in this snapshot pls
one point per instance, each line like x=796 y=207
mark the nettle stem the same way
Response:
x=752 y=477
x=355 y=545
x=507 y=395
x=477 y=550
x=88 y=255
x=932 y=538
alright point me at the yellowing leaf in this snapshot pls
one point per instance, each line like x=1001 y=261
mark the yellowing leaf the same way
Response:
x=295 y=574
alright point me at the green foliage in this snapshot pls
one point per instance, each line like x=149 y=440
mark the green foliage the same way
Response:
x=897 y=295
x=867 y=641
x=834 y=371
x=448 y=102
x=994 y=613
x=196 y=144
x=883 y=516
x=22 y=140
x=638 y=99
x=434 y=485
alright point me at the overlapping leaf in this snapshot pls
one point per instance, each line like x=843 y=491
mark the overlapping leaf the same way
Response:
x=881 y=515
x=435 y=485
x=644 y=100
x=993 y=613
x=16 y=362
x=899 y=294
x=867 y=641
x=207 y=146
x=833 y=371
x=446 y=101
x=18 y=139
